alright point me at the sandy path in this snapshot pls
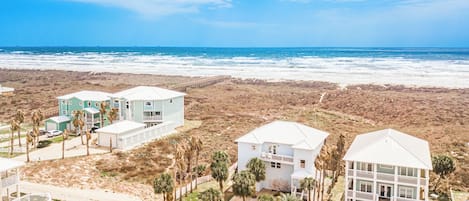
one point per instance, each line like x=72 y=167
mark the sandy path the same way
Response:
x=75 y=194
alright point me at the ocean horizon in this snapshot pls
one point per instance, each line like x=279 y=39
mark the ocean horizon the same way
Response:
x=435 y=67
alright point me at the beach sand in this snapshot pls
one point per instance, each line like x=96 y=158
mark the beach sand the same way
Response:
x=232 y=108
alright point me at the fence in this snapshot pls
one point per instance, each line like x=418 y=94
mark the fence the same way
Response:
x=200 y=83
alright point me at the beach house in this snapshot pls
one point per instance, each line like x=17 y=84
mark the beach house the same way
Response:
x=87 y=101
x=387 y=165
x=288 y=149
x=9 y=177
x=150 y=105
x=6 y=91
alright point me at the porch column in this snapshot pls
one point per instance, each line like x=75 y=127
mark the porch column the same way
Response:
x=394 y=196
x=18 y=183
x=375 y=170
x=346 y=180
x=354 y=186
x=418 y=185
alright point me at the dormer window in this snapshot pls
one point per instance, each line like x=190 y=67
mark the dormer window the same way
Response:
x=148 y=103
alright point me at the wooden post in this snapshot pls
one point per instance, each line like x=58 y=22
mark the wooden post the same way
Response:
x=110 y=144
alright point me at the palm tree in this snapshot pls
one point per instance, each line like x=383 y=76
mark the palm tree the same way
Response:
x=112 y=114
x=257 y=167
x=77 y=114
x=196 y=144
x=36 y=117
x=163 y=184
x=102 y=112
x=64 y=137
x=210 y=194
x=219 y=167
x=340 y=149
x=308 y=184
x=244 y=184
x=29 y=139
x=13 y=127
x=88 y=138
x=189 y=154
x=287 y=197
x=317 y=165
x=180 y=165
x=324 y=157
x=19 y=117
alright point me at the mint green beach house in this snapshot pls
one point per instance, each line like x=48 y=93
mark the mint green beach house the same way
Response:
x=86 y=101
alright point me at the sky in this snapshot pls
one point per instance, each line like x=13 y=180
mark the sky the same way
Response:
x=235 y=23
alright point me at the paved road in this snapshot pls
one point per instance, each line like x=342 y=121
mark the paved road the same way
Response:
x=75 y=194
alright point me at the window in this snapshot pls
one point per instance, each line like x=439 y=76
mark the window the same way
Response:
x=148 y=103
x=96 y=104
x=272 y=164
x=80 y=103
x=170 y=100
x=350 y=165
x=278 y=165
x=366 y=186
x=63 y=102
x=89 y=104
x=406 y=192
x=411 y=172
x=273 y=149
x=365 y=166
x=253 y=147
x=127 y=104
x=350 y=184
x=302 y=163
x=64 y=112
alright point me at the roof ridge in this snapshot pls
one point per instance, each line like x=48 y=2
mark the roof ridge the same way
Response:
x=389 y=135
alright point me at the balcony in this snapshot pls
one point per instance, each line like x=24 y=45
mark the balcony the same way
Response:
x=277 y=158
x=385 y=177
x=152 y=118
x=363 y=195
x=10 y=180
x=407 y=179
x=364 y=174
x=405 y=199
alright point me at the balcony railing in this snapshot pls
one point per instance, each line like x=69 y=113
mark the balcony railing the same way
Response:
x=152 y=118
x=385 y=177
x=364 y=174
x=276 y=158
x=364 y=195
x=350 y=173
x=407 y=179
x=405 y=199
x=10 y=180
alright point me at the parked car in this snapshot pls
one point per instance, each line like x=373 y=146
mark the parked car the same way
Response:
x=41 y=132
x=93 y=129
x=54 y=133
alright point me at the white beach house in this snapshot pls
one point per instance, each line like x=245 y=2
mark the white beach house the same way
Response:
x=150 y=105
x=9 y=176
x=289 y=150
x=387 y=165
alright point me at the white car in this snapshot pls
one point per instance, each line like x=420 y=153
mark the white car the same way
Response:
x=54 y=133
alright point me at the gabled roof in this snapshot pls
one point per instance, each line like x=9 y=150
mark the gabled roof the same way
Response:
x=87 y=95
x=8 y=164
x=390 y=147
x=121 y=127
x=295 y=134
x=60 y=119
x=148 y=93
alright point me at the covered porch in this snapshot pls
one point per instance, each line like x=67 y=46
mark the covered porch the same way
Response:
x=296 y=178
x=92 y=117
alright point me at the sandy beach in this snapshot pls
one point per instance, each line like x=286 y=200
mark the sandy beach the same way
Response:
x=231 y=108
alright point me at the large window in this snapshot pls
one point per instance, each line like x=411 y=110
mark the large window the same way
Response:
x=302 y=163
x=275 y=165
x=365 y=166
x=365 y=186
x=273 y=149
x=411 y=172
x=406 y=192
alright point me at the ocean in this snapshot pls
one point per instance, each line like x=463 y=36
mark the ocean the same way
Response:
x=439 y=67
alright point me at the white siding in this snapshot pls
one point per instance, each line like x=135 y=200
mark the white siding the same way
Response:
x=246 y=153
x=173 y=110
x=278 y=177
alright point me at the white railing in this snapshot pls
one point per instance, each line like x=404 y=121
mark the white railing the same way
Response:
x=407 y=179
x=385 y=177
x=10 y=180
x=151 y=133
x=364 y=174
x=364 y=195
x=276 y=157
x=404 y=199
x=153 y=118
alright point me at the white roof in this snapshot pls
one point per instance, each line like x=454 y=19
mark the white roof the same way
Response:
x=8 y=164
x=147 y=93
x=60 y=119
x=121 y=127
x=6 y=89
x=87 y=95
x=91 y=110
x=295 y=134
x=390 y=147
x=301 y=174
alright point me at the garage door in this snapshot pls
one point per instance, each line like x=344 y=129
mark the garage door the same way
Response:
x=103 y=139
x=51 y=126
